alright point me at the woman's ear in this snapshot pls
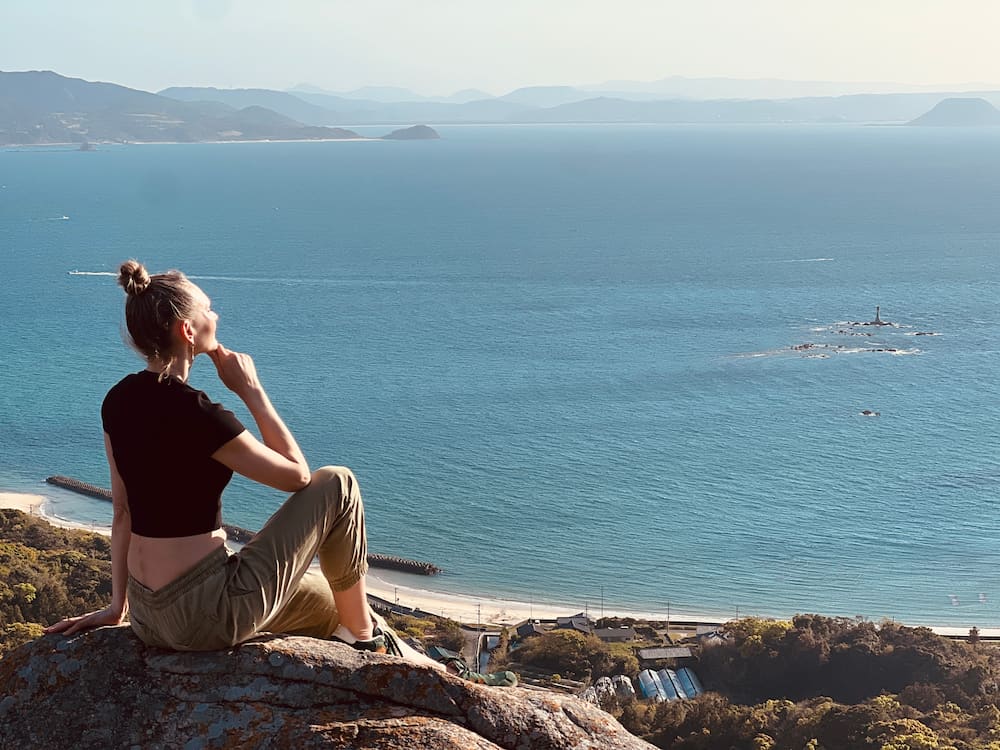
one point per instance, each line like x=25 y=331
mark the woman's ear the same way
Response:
x=186 y=329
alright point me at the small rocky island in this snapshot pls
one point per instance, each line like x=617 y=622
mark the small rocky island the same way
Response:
x=416 y=133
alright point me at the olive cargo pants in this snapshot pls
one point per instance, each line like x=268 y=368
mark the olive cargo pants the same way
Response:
x=229 y=597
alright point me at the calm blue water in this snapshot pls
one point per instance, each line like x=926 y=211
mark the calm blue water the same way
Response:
x=559 y=357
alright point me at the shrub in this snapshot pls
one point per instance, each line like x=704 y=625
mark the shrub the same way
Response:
x=893 y=688
x=567 y=652
x=500 y=655
x=47 y=573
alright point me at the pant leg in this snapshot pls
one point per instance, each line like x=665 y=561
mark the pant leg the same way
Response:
x=263 y=591
x=310 y=610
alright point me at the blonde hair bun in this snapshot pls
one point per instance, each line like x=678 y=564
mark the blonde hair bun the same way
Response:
x=133 y=277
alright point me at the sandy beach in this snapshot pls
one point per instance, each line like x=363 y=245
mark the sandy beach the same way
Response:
x=19 y=501
x=490 y=610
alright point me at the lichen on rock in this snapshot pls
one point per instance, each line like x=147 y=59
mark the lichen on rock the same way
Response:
x=106 y=689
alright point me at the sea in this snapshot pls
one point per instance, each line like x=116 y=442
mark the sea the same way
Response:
x=600 y=365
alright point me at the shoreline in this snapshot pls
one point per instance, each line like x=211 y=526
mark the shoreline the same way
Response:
x=76 y=145
x=396 y=587
x=494 y=610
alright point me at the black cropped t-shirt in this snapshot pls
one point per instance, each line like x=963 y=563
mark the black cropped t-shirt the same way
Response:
x=163 y=435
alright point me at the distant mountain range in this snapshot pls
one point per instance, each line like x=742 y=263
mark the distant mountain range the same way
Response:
x=44 y=107
x=565 y=104
x=388 y=94
x=679 y=87
x=671 y=87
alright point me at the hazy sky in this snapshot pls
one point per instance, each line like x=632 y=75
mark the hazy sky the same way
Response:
x=440 y=46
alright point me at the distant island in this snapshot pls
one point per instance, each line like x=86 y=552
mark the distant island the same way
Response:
x=416 y=133
x=42 y=108
x=960 y=112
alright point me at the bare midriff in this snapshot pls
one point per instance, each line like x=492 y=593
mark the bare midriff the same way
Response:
x=155 y=562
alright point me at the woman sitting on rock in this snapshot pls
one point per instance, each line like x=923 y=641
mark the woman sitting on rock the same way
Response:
x=171 y=453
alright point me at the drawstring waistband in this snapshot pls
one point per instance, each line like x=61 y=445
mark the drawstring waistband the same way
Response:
x=211 y=563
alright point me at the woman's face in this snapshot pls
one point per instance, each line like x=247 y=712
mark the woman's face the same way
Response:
x=204 y=322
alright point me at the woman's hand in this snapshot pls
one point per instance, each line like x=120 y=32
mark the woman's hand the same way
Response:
x=278 y=461
x=236 y=370
x=71 y=625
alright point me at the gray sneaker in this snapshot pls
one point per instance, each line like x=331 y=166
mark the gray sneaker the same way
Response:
x=381 y=642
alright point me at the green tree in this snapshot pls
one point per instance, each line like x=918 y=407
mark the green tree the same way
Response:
x=500 y=655
x=613 y=658
x=566 y=651
x=17 y=634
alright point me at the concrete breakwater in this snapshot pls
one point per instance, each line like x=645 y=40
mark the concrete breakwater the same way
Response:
x=241 y=535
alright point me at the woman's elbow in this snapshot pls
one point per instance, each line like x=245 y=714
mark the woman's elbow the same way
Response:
x=297 y=481
x=121 y=516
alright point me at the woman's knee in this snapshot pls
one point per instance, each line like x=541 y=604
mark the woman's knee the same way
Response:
x=334 y=474
x=337 y=481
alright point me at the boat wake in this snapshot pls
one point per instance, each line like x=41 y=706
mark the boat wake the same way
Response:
x=770 y=261
x=288 y=281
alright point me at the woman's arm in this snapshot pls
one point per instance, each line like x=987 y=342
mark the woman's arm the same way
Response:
x=277 y=461
x=121 y=535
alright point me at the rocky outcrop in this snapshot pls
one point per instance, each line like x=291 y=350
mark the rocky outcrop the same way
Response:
x=106 y=689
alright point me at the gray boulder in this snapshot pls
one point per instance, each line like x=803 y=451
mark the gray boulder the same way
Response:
x=106 y=689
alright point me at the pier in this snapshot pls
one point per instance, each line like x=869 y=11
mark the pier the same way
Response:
x=242 y=536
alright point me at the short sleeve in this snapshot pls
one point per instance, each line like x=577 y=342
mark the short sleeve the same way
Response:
x=213 y=424
x=114 y=412
x=107 y=417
